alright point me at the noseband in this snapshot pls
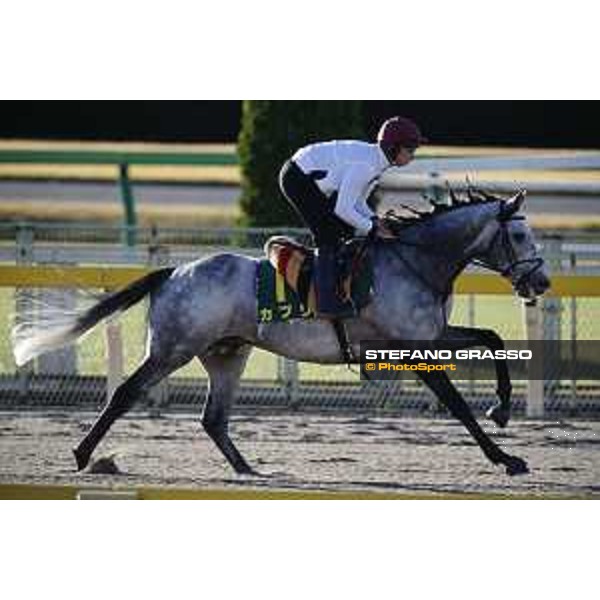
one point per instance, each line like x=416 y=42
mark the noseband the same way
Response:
x=511 y=256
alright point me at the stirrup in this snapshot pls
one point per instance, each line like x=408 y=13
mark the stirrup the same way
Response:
x=348 y=354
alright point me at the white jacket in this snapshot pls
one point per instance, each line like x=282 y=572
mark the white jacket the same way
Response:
x=352 y=169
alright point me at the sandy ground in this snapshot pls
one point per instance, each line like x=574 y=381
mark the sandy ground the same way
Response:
x=307 y=452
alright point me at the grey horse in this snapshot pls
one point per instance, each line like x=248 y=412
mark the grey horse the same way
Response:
x=207 y=309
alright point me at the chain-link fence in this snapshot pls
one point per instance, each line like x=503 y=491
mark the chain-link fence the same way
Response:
x=77 y=376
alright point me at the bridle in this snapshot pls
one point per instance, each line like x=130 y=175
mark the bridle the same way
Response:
x=508 y=271
x=512 y=261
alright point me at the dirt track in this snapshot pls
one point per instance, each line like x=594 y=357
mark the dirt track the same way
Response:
x=307 y=452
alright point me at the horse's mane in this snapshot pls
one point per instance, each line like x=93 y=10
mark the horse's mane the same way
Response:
x=397 y=223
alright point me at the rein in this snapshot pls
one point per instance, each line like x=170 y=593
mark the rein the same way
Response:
x=505 y=243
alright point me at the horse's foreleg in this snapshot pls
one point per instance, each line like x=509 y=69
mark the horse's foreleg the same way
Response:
x=224 y=372
x=149 y=373
x=466 y=337
x=442 y=387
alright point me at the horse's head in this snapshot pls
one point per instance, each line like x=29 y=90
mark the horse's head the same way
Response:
x=510 y=250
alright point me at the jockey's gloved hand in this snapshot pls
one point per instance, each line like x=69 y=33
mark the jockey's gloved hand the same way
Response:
x=379 y=229
x=374 y=227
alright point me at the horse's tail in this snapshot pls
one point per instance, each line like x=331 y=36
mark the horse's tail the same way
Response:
x=55 y=328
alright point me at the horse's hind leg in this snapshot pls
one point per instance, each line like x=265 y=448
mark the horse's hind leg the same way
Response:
x=149 y=373
x=224 y=372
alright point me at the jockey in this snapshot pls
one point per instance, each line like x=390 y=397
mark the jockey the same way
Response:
x=329 y=183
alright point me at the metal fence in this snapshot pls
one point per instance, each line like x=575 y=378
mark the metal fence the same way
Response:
x=77 y=376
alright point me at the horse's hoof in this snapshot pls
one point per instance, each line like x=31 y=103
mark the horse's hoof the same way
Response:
x=105 y=465
x=253 y=473
x=81 y=459
x=246 y=470
x=516 y=466
x=499 y=415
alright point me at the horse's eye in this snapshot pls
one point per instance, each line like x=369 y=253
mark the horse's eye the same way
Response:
x=519 y=237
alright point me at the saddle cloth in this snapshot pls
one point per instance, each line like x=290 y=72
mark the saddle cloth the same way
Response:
x=286 y=287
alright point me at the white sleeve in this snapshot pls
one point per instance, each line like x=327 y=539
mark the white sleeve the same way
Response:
x=351 y=205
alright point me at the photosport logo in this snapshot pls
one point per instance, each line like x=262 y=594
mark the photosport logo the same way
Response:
x=471 y=360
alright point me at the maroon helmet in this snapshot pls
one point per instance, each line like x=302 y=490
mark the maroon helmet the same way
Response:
x=399 y=132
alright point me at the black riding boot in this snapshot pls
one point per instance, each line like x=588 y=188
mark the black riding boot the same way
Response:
x=329 y=304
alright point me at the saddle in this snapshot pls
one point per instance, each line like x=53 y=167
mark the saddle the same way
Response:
x=286 y=282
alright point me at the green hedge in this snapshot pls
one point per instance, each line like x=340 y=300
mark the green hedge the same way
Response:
x=272 y=130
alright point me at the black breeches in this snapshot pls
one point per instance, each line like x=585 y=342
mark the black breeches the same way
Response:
x=313 y=206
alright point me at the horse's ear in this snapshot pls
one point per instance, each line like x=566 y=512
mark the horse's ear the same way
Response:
x=513 y=205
